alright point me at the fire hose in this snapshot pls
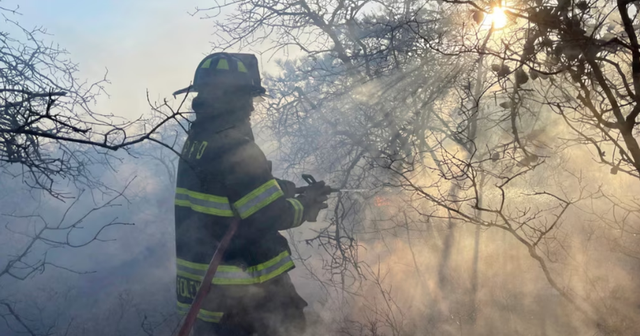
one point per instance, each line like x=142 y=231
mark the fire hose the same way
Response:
x=190 y=319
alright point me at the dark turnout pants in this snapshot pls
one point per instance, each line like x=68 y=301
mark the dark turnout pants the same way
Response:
x=272 y=308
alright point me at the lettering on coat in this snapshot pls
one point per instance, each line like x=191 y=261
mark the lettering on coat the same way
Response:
x=187 y=288
x=195 y=146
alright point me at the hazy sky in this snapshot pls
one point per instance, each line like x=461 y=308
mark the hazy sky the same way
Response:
x=152 y=45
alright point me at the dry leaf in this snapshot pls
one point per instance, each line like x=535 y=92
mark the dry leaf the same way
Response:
x=506 y=105
x=478 y=17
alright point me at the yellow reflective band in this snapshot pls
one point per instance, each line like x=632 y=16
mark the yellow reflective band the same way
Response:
x=211 y=319
x=182 y=262
x=260 y=279
x=223 y=64
x=206 y=64
x=258 y=198
x=233 y=275
x=241 y=67
x=190 y=276
x=269 y=263
x=298 y=211
x=202 y=196
x=204 y=315
x=205 y=203
x=200 y=269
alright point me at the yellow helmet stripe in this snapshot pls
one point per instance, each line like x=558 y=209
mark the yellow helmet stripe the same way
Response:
x=223 y=64
x=206 y=64
x=241 y=67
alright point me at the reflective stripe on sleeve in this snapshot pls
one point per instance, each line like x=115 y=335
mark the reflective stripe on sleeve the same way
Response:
x=205 y=203
x=205 y=315
x=298 y=211
x=258 y=198
x=233 y=275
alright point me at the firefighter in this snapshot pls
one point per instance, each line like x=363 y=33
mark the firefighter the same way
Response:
x=222 y=173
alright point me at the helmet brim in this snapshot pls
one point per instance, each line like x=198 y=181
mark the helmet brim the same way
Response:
x=259 y=92
x=190 y=88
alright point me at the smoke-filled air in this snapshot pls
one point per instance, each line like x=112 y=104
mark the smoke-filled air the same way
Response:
x=325 y=167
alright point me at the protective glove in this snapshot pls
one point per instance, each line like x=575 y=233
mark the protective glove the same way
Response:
x=288 y=188
x=313 y=199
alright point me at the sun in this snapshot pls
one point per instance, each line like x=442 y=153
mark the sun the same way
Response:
x=497 y=17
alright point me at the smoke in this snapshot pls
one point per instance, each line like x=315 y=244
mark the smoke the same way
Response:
x=413 y=265
x=565 y=264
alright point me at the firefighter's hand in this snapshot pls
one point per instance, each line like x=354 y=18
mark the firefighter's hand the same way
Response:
x=288 y=188
x=313 y=199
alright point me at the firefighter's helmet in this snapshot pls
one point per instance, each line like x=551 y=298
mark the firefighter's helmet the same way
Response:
x=227 y=71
